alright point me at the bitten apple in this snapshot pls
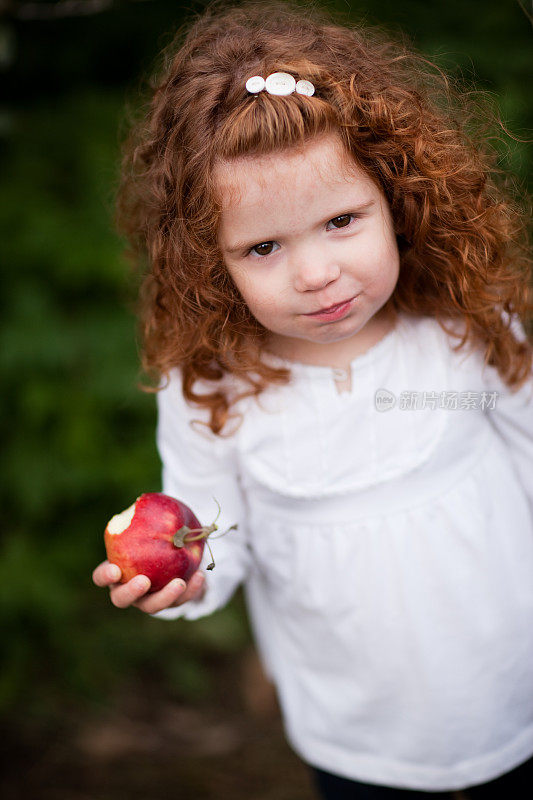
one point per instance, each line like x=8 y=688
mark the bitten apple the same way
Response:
x=158 y=536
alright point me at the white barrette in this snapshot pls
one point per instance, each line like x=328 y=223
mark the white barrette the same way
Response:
x=279 y=83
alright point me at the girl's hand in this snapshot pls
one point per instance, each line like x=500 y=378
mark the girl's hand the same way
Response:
x=133 y=592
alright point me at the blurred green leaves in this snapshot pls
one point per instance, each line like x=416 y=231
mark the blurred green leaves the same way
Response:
x=67 y=345
x=77 y=433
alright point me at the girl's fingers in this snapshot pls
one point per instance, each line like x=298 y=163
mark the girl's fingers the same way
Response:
x=134 y=591
x=164 y=598
x=195 y=588
x=106 y=574
x=173 y=594
x=126 y=594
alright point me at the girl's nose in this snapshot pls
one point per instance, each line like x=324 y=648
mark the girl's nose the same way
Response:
x=314 y=270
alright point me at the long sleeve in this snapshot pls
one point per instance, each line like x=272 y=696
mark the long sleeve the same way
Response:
x=198 y=467
x=511 y=414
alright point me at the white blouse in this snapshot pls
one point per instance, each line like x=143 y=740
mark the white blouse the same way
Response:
x=385 y=543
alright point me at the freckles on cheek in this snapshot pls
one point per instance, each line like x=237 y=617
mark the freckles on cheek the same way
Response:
x=384 y=281
x=262 y=300
x=267 y=310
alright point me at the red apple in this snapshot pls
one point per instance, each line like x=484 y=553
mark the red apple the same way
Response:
x=157 y=536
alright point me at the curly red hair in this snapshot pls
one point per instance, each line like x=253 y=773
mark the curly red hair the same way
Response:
x=461 y=223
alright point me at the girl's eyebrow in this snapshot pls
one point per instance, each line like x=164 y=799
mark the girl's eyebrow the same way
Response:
x=239 y=247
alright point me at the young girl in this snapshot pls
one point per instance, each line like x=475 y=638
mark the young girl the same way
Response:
x=335 y=310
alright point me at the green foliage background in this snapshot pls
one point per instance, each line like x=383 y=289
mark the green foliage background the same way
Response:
x=77 y=434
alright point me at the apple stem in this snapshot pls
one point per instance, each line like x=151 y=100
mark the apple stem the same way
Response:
x=218 y=504
x=212 y=564
x=204 y=532
x=231 y=528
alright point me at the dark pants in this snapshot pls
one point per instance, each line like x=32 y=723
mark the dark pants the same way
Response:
x=514 y=785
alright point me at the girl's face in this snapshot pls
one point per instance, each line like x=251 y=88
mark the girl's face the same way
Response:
x=301 y=231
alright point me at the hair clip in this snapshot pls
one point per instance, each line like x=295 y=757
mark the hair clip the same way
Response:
x=279 y=83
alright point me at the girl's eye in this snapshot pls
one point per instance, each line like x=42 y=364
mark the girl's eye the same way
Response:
x=342 y=221
x=267 y=248
x=263 y=249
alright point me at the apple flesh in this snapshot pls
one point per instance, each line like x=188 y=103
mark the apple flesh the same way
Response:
x=142 y=540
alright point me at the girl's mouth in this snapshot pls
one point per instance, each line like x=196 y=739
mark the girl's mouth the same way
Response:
x=337 y=312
